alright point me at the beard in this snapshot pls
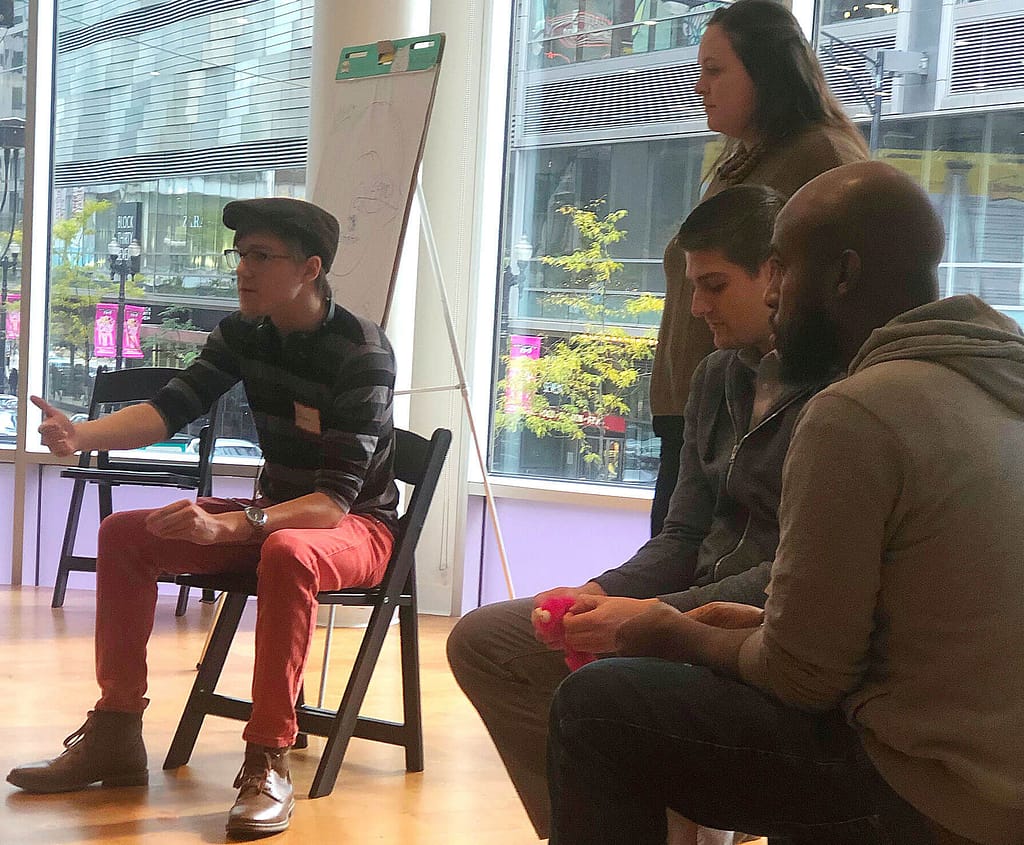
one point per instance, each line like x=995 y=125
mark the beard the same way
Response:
x=808 y=347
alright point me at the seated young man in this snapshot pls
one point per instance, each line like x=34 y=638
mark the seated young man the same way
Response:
x=319 y=382
x=722 y=525
x=879 y=697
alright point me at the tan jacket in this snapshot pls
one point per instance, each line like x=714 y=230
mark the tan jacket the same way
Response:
x=683 y=341
x=898 y=589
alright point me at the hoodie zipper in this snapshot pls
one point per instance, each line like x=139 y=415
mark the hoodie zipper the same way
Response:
x=769 y=418
x=732 y=462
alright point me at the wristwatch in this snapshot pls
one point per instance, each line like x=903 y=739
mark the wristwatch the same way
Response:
x=257 y=518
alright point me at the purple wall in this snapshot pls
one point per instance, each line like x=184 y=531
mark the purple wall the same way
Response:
x=547 y=544
x=6 y=539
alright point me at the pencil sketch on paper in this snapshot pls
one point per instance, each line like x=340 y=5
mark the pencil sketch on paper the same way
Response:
x=377 y=131
x=370 y=200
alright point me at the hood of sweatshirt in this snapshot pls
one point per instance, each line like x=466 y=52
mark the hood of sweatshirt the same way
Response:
x=962 y=333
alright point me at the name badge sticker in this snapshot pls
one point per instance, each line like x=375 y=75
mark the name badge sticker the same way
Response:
x=307 y=419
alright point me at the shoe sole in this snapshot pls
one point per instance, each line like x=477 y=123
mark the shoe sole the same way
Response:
x=253 y=830
x=133 y=779
x=43 y=788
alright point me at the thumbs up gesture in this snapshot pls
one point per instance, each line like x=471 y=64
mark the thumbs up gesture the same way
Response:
x=58 y=432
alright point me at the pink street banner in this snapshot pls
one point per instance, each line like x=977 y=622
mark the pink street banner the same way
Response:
x=13 y=326
x=131 y=345
x=104 y=336
x=521 y=348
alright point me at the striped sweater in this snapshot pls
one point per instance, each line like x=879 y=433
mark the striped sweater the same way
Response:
x=321 y=402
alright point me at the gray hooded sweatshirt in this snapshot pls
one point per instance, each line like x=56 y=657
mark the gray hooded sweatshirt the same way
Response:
x=897 y=591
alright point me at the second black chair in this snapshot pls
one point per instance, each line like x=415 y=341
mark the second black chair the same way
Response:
x=112 y=390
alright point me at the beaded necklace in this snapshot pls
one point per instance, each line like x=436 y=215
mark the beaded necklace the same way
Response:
x=735 y=169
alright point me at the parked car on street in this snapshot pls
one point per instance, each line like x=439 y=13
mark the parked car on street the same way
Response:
x=228 y=447
x=8 y=419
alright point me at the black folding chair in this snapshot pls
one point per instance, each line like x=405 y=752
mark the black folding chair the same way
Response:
x=112 y=390
x=418 y=462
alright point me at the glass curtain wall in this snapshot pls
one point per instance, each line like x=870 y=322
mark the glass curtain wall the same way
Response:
x=973 y=167
x=564 y=32
x=608 y=151
x=954 y=122
x=606 y=154
x=164 y=112
x=13 y=41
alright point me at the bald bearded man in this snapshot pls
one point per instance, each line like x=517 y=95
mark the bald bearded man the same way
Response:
x=879 y=697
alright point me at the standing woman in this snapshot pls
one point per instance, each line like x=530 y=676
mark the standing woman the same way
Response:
x=764 y=90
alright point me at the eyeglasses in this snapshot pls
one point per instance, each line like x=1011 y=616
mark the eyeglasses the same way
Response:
x=255 y=257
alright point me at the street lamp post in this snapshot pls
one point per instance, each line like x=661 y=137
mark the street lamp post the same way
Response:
x=883 y=63
x=123 y=263
x=8 y=263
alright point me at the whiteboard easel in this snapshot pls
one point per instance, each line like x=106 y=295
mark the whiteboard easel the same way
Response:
x=379 y=111
x=382 y=100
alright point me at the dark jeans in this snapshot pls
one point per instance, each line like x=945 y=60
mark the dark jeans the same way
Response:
x=670 y=430
x=630 y=736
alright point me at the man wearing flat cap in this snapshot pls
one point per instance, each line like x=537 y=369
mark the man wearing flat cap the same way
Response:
x=320 y=383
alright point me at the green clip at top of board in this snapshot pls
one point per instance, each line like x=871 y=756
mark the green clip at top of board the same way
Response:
x=385 y=57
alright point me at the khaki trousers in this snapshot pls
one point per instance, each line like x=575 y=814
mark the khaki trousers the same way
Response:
x=511 y=679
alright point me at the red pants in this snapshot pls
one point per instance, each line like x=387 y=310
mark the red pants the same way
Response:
x=293 y=565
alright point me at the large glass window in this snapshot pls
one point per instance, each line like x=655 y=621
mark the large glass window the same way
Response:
x=582 y=290
x=13 y=44
x=607 y=153
x=164 y=113
x=565 y=32
x=591 y=201
x=835 y=11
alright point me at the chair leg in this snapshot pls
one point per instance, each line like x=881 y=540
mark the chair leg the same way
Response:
x=325 y=666
x=67 y=548
x=355 y=691
x=182 y=605
x=411 y=700
x=206 y=680
x=106 y=494
x=213 y=627
x=301 y=739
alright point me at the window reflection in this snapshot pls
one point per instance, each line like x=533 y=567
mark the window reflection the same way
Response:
x=159 y=121
x=854 y=10
x=635 y=141
x=566 y=32
x=12 y=138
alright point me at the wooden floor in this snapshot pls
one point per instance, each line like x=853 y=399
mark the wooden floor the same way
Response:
x=46 y=687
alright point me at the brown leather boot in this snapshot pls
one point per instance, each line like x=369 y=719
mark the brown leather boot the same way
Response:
x=265 y=795
x=108 y=748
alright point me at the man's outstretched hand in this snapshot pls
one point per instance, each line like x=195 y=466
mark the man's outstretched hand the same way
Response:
x=57 y=431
